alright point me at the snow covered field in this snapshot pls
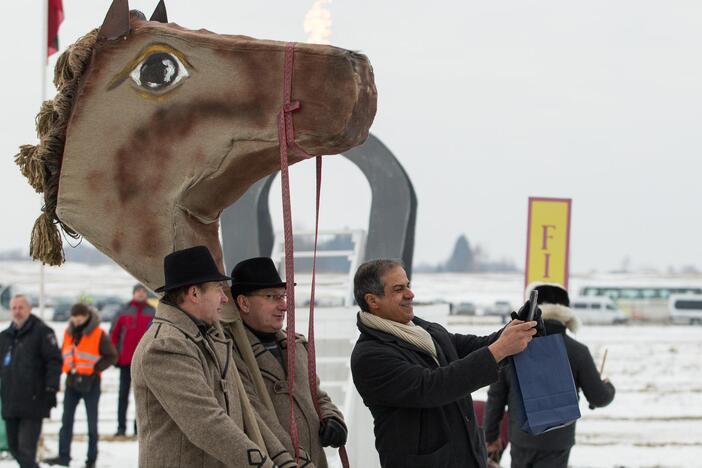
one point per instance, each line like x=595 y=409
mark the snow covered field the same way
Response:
x=483 y=289
x=654 y=421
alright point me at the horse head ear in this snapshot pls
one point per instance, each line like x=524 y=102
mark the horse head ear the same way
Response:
x=116 y=22
x=160 y=13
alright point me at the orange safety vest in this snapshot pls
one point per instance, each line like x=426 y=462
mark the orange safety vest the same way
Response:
x=82 y=358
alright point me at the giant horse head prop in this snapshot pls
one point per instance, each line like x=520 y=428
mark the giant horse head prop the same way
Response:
x=156 y=129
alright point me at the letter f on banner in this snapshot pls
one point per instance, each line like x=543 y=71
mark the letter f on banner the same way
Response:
x=545 y=236
x=544 y=246
x=548 y=241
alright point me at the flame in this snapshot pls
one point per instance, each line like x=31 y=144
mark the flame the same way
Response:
x=318 y=22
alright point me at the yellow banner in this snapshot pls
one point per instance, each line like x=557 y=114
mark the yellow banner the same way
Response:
x=548 y=241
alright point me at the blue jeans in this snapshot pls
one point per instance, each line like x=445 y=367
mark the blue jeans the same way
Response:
x=71 y=398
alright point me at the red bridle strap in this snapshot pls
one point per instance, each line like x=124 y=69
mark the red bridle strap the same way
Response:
x=286 y=140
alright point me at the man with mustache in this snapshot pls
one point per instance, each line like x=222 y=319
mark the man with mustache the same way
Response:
x=259 y=294
x=416 y=378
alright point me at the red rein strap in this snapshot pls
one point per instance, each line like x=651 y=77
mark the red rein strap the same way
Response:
x=286 y=139
x=311 y=355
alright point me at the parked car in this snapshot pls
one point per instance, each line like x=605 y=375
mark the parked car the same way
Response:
x=686 y=308
x=462 y=308
x=108 y=311
x=108 y=306
x=62 y=309
x=598 y=310
x=503 y=309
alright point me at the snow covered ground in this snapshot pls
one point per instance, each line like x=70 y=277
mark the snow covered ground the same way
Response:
x=654 y=421
x=483 y=289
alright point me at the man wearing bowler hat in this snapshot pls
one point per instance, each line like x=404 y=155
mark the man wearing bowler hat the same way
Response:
x=259 y=294
x=191 y=406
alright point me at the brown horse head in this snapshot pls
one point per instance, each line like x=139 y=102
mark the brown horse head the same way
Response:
x=156 y=129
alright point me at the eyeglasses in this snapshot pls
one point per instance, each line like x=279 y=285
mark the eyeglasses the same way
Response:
x=272 y=297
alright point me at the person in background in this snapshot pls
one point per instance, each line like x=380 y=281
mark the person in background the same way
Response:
x=128 y=326
x=259 y=294
x=29 y=379
x=551 y=449
x=416 y=377
x=87 y=351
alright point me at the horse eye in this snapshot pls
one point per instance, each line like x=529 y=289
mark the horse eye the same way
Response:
x=158 y=71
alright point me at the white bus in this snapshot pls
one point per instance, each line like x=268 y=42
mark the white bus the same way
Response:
x=686 y=308
x=641 y=302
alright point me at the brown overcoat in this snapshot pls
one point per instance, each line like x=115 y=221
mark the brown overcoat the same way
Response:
x=275 y=379
x=189 y=411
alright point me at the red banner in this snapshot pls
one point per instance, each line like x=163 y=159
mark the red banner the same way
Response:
x=55 y=20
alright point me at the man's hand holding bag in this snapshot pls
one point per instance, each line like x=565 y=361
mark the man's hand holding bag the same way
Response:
x=544 y=381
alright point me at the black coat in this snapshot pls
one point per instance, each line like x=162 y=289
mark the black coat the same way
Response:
x=423 y=413
x=30 y=364
x=586 y=377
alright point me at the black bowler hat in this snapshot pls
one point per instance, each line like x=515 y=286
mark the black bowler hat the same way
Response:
x=190 y=266
x=253 y=274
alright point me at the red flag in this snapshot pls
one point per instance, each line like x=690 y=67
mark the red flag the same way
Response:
x=55 y=20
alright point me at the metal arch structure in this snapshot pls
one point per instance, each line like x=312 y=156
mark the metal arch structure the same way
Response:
x=247 y=228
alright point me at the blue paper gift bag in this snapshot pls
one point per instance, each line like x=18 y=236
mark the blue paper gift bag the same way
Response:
x=545 y=386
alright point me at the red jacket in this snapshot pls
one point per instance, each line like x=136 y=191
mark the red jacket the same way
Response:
x=128 y=327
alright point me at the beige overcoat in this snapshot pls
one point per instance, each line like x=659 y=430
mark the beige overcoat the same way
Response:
x=275 y=379
x=189 y=411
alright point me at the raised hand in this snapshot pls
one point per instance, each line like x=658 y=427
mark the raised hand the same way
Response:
x=521 y=314
x=514 y=339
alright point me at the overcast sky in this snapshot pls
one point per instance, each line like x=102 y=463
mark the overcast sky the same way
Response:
x=484 y=103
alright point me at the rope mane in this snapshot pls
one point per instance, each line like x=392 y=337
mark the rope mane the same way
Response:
x=41 y=164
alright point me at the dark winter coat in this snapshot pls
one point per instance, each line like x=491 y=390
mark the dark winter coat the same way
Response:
x=31 y=373
x=423 y=412
x=586 y=377
x=128 y=326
